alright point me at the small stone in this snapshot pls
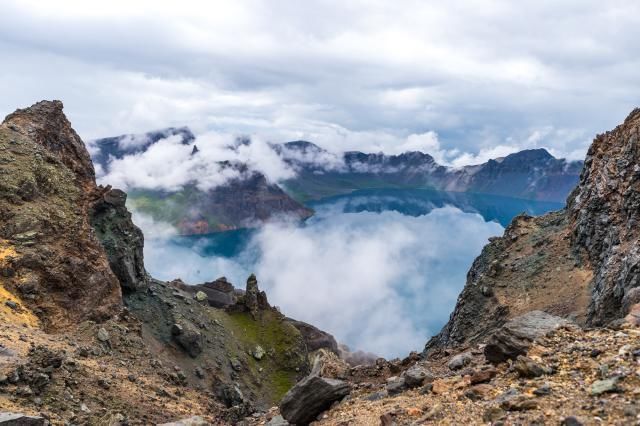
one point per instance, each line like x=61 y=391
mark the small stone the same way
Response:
x=235 y=364
x=176 y=329
x=103 y=335
x=376 y=396
x=528 y=368
x=395 y=385
x=24 y=391
x=387 y=420
x=258 y=353
x=571 y=421
x=519 y=403
x=433 y=412
x=416 y=376
x=199 y=373
x=482 y=376
x=201 y=296
x=543 y=390
x=459 y=361
x=605 y=386
x=426 y=389
x=493 y=414
x=11 y=304
x=478 y=392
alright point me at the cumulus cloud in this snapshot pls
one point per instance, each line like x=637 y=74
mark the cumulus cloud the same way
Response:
x=357 y=75
x=380 y=282
x=169 y=163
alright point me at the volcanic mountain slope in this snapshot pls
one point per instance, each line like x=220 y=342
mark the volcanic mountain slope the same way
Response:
x=246 y=199
x=531 y=174
x=545 y=331
x=86 y=336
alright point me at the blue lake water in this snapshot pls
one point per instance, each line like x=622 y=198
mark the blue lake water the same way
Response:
x=379 y=269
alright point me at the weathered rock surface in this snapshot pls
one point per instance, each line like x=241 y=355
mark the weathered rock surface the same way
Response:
x=191 y=421
x=16 y=419
x=517 y=335
x=121 y=239
x=47 y=190
x=220 y=293
x=310 y=397
x=314 y=337
x=604 y=211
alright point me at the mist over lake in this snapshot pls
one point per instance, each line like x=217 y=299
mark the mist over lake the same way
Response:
x=378 y=269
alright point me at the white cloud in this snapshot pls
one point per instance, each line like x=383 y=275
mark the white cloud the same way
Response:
x=169 y=164
x=380 y=282
x=477 y=75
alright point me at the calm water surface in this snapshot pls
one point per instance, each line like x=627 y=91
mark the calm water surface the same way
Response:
x=379 y=269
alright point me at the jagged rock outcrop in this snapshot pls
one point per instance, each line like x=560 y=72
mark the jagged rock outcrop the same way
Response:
x=604 y=211
x=314 y=337
x=47 y=191
x=581 y=263
x=121 y=239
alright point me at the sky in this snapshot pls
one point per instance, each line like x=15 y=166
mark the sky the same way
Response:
x=462 y=80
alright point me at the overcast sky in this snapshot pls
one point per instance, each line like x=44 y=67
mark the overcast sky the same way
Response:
x=452 y=77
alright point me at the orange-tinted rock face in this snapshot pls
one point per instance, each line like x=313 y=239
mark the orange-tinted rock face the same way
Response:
x=46 y=192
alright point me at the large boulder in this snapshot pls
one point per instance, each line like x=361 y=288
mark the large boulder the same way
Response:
x=191 y=421
x=188 y=337
x=314 y=337
x=517 y=335
x=220 y=293
x=310 y=397
x=16 y=419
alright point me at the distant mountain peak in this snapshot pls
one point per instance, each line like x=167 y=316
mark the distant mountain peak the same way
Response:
x=104 y=149
x=303 y=146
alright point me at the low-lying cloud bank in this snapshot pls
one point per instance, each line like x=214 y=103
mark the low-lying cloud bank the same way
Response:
x=169 y=164
x=380 y=282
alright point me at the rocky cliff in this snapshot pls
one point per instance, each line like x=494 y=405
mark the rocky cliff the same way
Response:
x=88 y=336
x=579 y=263
x=53 y=258
x=604 y=211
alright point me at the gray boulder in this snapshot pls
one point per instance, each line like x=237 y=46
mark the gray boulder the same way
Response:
x=189 y=338
x=416 y=376
x=220 y=293
x=314 y=337
x=191 y=421
x=516 y=336
x=16 y=419
x=310 y=397
x=459 y=361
